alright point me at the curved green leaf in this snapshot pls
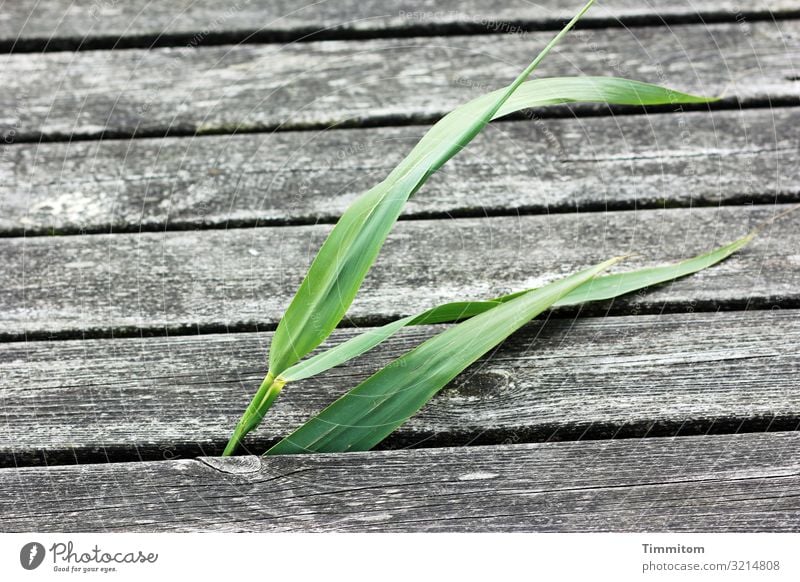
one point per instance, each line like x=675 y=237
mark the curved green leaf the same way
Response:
x=352 y=246
x=611 y=90
x=601 y=288
x=356 y=346
x=610 y=286
x=345 y=257
x=372 y=410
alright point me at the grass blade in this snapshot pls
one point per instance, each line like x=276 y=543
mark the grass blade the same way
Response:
x=364 y=342
x=601 y=288
x=338 y=270
x=372 y=410
x=611 y=90
x=344 y=259
x=353 y=245
x=610 y=286
x=376 y=212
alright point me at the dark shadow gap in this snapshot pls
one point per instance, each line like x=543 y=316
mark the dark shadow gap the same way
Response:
x=454 y=214
x=409 y=29
x=618 y=307
x=405 y=440
x=402 y=120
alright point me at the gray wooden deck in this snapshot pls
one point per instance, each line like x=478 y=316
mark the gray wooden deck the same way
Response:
x=157 y=158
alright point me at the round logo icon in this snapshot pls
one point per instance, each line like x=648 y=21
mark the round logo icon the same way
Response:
x=31 y=555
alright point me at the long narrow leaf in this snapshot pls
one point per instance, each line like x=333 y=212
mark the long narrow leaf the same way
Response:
x=338 y=270
x=600 y=288
x=340 y=266
x=344 y=259
x=610 y=286
x=356 y=346
x=369 y=412
x=611 y=90
x=351 y=248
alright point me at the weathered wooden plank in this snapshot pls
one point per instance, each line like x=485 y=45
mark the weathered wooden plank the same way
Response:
x=744 y=482
x=319 y=84
x=545 y=165
x=182 y=282
x=75 y=24
x=650 y=375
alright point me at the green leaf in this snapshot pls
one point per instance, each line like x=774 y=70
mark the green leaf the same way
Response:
x=600 y=288
x=611 y=90
x=353 y=245
x=610 y=286
x=356 y=346
x=372 y=410
x=351 y=248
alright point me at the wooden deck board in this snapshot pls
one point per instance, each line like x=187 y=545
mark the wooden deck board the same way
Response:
x=156 y=398
x=529 y=166
x=71 y=24
x=124 y=355
x=316 y=85
x=242 y=279
x=720 y=483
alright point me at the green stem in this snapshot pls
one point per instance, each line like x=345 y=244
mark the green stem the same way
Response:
x=267 y=393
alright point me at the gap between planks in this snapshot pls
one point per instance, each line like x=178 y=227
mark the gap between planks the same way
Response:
x=297 y=178
x=216 y=281
x=62 y=25
x=556 y=379
x=224 y=90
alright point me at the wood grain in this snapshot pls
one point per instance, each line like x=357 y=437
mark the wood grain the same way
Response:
x=531 y=166
x=647 y=375
x=82 y=24
x=745 y=482
x=164 y=382
x=242 y=279
x=227 y=89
